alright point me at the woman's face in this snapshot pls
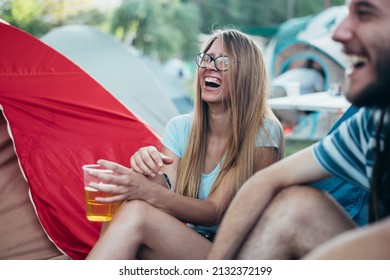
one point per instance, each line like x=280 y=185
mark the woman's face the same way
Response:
x=213 y=82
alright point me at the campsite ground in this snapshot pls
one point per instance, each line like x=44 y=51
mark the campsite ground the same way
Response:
x=293 y=146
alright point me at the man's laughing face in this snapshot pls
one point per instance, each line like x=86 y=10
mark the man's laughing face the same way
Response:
x=365 y=35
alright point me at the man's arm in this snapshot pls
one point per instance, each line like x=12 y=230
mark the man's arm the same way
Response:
x=254 y=196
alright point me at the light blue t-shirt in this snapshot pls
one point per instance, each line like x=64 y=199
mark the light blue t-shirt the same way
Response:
x=176 y=136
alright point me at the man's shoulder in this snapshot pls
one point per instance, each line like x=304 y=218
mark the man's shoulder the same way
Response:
x=368 y=117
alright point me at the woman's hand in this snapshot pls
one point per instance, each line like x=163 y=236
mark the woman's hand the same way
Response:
x=149 y=160
x=124 y=184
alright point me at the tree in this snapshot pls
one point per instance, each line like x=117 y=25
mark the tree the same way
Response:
x=304 y=7
x=38 y=16
x=25 y=14
x=160 y=28
x=255 y=14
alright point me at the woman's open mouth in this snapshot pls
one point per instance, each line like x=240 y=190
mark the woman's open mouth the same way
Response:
x=212 y=82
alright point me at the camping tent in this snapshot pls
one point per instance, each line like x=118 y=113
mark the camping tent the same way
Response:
x=310 y=38
x=119 y=70
x=55 y=118
x=303 y=53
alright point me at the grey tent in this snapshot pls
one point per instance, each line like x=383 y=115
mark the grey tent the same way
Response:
x=116 y=68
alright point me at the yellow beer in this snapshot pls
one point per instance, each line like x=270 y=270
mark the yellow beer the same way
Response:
x=99 y=211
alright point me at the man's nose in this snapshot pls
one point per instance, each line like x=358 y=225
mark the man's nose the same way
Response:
x=344 y=31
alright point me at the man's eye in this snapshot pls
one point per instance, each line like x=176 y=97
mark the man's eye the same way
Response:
x=364 y=13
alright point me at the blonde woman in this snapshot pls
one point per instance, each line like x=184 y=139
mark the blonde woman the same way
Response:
x=207 y=155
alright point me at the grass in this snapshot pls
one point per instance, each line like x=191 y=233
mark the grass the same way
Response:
x=293 y=146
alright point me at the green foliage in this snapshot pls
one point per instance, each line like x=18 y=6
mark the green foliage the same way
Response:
x=293 y=146
x=92 y=17
x=253 y=14
x=186 y=19
x=25 y=14
x=304 y=7
x=38 y=16
x=159 y=28
x=236 y=13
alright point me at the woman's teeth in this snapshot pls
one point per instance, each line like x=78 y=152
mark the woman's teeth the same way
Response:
x=212 y=82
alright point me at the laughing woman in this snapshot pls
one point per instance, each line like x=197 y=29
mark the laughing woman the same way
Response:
x=207 y=155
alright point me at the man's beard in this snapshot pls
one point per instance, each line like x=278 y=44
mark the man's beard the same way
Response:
x=377 y=94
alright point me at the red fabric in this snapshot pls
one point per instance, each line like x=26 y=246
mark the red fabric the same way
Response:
x=59 y=119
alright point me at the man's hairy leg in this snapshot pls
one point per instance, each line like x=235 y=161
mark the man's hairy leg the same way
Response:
x=297 y=220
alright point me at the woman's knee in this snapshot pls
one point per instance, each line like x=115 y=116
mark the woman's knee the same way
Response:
x=134 y=214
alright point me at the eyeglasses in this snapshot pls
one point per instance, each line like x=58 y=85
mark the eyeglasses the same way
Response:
x=221 y=62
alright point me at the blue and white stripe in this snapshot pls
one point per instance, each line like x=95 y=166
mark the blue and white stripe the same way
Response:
x=348 y=152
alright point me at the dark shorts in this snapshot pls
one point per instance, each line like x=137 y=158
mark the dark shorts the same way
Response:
x=208 y=235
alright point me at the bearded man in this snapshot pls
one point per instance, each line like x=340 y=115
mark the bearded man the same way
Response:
x=278 y=215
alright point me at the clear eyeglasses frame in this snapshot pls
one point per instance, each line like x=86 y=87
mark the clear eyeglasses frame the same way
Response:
x=221 y=62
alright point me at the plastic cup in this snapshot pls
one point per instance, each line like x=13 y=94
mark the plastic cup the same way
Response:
x=97 y=211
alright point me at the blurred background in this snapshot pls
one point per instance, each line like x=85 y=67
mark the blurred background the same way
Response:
x=165 y=35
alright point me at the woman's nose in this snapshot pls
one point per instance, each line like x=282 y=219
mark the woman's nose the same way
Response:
x=211 y=65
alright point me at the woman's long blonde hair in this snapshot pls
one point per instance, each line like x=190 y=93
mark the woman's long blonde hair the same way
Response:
x=248 y=90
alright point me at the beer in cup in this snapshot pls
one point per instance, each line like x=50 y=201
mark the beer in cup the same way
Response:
x=97 y=211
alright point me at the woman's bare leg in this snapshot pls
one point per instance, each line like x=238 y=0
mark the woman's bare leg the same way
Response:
x=140 y=230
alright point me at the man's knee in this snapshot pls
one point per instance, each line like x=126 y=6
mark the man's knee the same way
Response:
x=287 y=213
x=273 y=237
x=300 y=196
x=304 y=205
x=297 y=220
x=297 y=201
